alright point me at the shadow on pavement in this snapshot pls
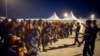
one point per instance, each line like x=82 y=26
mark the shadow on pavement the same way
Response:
x=60 y=47
x=78 y=55
x=74 y=37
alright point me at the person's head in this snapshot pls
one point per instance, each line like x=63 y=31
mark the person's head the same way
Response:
x=78 y=23
x=29 y=22
x=6 y=20
x=88 y=22
x=13 y=38
x=94 y=22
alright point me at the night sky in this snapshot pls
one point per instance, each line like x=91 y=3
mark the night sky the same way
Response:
x=45 y=8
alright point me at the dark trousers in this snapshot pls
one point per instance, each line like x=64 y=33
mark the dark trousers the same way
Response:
x=44 y=42
x=70 y=31
x=67 y=33
x=87 y=49
x=76 y=38
x=93 y=44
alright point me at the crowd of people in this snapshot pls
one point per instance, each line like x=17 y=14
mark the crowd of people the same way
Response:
x=24 y=38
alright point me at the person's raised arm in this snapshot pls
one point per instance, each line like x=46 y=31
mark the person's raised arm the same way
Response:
x=83 y=25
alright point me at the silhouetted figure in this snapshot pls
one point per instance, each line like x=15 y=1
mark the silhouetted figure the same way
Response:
x=77 y=34
x=4 y=33
x=87 y=39
x=67 y=29
x=94 y=35
x=71 y=28
x=44 y=37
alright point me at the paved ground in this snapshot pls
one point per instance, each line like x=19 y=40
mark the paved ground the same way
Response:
x=64 y=48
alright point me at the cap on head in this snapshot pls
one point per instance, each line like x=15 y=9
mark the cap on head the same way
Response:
x=78 y=23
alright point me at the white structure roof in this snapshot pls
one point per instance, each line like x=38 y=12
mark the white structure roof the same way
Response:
x=70 y=16
x=54 y=17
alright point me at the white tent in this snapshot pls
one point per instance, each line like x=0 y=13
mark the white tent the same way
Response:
x=54 y=17
x=70 y=16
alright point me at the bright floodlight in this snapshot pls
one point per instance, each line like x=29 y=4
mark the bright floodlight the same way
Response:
x=65 y=14
x=92 y=16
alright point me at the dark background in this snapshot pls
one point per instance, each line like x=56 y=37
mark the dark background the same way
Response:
x=45 y=8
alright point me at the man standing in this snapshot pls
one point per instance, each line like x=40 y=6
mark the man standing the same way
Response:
x=94 y=35
x=71 y=28
x=44 y=36
x=87 y=39
x=77 y=34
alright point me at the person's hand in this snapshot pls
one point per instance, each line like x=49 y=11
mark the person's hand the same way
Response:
x=82 y=23
x=81 y=33
x=87 y=34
